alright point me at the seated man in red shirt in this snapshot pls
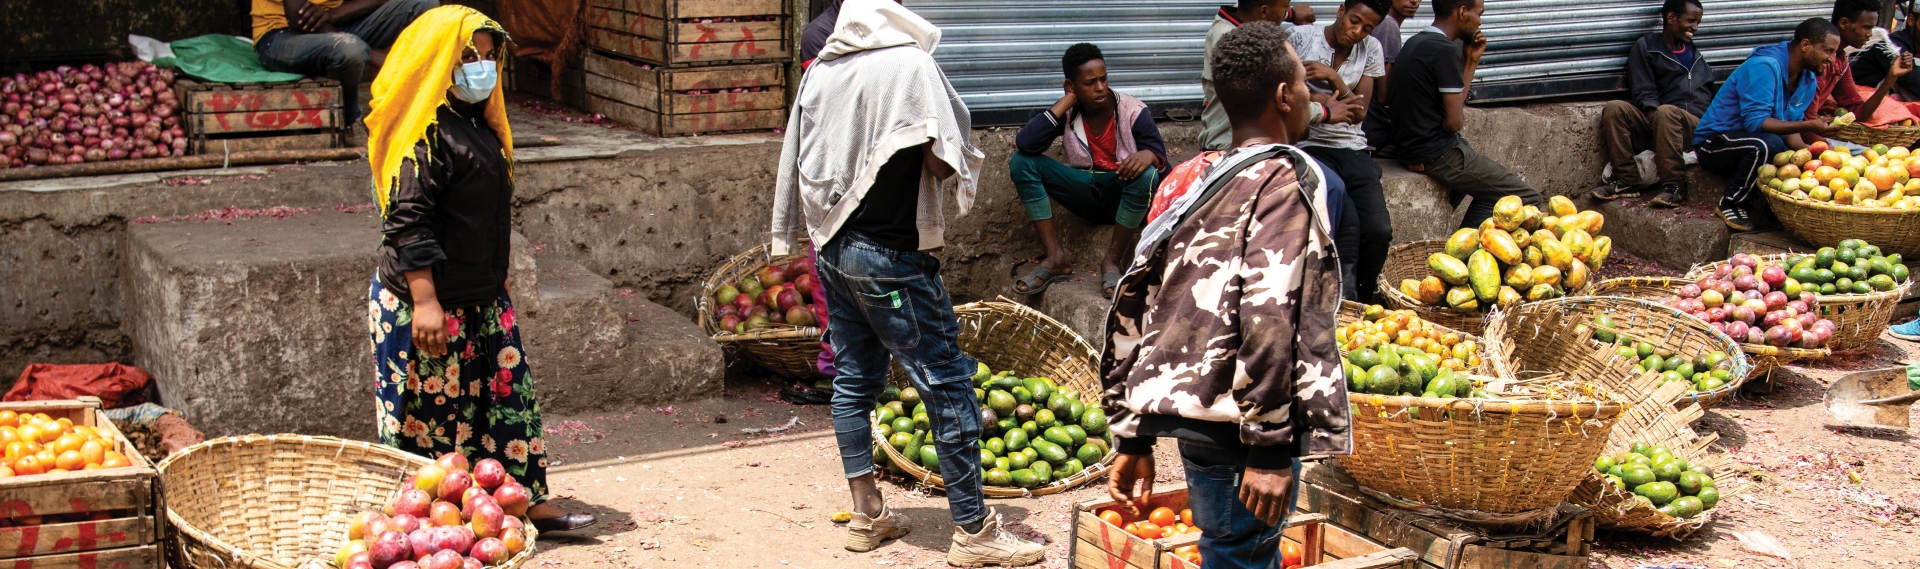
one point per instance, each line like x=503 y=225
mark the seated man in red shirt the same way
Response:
x=1114 y=159
x=1856 y=20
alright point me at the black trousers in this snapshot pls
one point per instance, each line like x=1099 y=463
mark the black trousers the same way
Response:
x=1365 y=228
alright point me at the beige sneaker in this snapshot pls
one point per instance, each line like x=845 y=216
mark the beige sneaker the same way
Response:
x=864 y=533
x=992 y=546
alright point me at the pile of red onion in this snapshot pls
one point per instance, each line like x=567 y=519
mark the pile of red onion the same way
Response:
x=89 y=113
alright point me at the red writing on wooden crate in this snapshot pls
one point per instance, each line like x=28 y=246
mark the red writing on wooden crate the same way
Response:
x=713 y=102
x=309 y=113
x=88 y=537
x=1106 y=546
x=710 y=33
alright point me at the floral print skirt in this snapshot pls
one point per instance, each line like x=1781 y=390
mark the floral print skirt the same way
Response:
x=476 y=400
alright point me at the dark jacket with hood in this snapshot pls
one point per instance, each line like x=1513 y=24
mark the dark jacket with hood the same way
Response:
x=1871 y=63
x=1655 y=77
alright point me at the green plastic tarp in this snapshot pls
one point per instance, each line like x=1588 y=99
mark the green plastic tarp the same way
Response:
x=221 y=58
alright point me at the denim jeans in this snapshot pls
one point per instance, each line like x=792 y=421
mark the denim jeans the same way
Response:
x=341 y=56
x=1231 y=537
x=1098 y=197
x=880 y=303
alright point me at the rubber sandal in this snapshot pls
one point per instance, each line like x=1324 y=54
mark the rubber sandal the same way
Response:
x=1108 y=282
x=1038 y=280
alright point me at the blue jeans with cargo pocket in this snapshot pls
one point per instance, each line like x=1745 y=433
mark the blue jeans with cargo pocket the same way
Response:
x=1230 y=536
x=882 y=303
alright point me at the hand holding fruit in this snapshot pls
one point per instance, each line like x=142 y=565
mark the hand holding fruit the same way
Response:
x=1131 y=482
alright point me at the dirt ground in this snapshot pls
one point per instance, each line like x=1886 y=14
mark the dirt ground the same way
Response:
x=683 y=486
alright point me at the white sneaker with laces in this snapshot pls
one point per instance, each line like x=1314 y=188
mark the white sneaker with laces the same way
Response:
x=994 y=545
x=865 y=534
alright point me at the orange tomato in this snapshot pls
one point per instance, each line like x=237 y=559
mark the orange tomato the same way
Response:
x=1146 y=530
x=27 y=465
x=1290 y=554
x=1113 y=518
x=6 y=472
x=1169 y=531
x=17 y=449
x=46 y=457
x=1186 y=516
x=65 y=424
x=67 y=442
x=9 y=419
x=1192 y=557
x=93 y=452
x=8 y=434
x=86 y=431
x=115 y=460
x=70 y=460
x=30 y=433
x=1193 y=529
x=1162 y=516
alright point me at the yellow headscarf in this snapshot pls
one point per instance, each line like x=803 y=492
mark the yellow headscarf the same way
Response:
x=413 y=85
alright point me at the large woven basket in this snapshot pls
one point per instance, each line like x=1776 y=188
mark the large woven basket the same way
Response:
x=787 y=351
x=1826 y=224
x=1409 y=261
x=1868 y=135
x=1764 y=358
x=1007 y=335
x=1554 y=336
x=1502 y=457
x=279 y=501
x=1656 y=419
x=1858 y=319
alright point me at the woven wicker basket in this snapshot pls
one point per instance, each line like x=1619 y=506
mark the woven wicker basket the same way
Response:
x=1858 y=319
x=1764 y=358
x=1868 y=136
x=1826 y=224
x=788 y=351
x=1503 y=457
x=1552 y=336
x=279 y=501
x=1656 y=419
x=1409 y=261
x=1007 y=335
x=1351 y=311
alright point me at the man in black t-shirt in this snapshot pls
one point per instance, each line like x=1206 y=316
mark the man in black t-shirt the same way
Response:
x=1427 y=94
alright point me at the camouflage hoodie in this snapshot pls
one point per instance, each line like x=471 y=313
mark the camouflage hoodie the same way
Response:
x=1221 y=331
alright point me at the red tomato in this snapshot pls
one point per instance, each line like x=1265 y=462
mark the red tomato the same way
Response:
x=1146 y=530
x=1113 y=517
x=1193 y=557
x=1163 y=516
x=1290 y=554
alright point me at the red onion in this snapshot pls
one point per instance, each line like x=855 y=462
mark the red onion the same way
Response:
x=57 y=124
x=7 y=139
x=117 y=153
x=68 y=96
x=90 y=142
x=120 y=132
x=57 y=138
x=37 y=155
x=163 y=110
x=92 y=131
x=139 y=119
x=95 y=155
x=120 y=121
x=90 y=110
x=62 y=150
x=56 y=160
x=180 y=146
x=49 y=87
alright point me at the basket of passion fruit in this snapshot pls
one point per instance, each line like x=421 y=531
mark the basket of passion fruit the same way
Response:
x=1038 y=388
x=1825 y=195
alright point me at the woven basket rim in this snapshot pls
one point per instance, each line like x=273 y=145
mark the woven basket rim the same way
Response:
x=1601 y=409
x=1778 y=197
x=242 y=557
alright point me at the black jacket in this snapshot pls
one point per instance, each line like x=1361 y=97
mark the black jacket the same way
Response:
x=1870 y=65
x=453 y=215
x=1655 y=78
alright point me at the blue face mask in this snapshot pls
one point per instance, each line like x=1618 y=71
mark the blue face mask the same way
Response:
x=474 y=82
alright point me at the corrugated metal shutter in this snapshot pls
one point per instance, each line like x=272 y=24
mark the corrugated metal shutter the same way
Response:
x=1004 y=55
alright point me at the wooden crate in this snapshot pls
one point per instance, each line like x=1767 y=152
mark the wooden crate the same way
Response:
x=681 y=33
x=128 y=500
x=1326 y=490
x=1099 y=545
x=536 y=78
x=221 y=117
x=675 y=101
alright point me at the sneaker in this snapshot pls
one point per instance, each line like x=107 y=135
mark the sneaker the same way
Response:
x=1737 y=217
x=1910 y=331
x=1613 y=189
x=1673 y=195
x=864 y=533
x=992 y=546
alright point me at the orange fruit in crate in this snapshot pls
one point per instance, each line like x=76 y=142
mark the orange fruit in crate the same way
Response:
x=1113 y=518
x=17 y=449
x=1163 y=516
x=93 y=452
x=116 y=460
x=69 y=460
x=1290 y=554
x=27 y=465
x=6 y=472
x=1146 y=530
x=67 y=442
x=30 y=433
x=9 y=419
x=65 y=424
x=86 y=431
x=1186 y=516
x=46 y=457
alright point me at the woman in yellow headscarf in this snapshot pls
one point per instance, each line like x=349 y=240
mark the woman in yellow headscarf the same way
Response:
x=452 y=377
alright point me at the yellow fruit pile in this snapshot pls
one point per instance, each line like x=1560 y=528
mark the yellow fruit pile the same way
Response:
x=37 y=444
x=1379 y=327
x=1880 y=177
x=1521 y=253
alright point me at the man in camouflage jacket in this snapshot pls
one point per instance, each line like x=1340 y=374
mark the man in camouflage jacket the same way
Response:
x=1221 y=331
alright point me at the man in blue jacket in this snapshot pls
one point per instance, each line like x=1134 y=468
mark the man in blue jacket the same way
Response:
x=1758 y=113
x=1114 y=158
x=1670 y=85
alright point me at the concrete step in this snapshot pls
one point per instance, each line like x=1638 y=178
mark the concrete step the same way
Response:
x=1078 y=303
x=259 y=325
